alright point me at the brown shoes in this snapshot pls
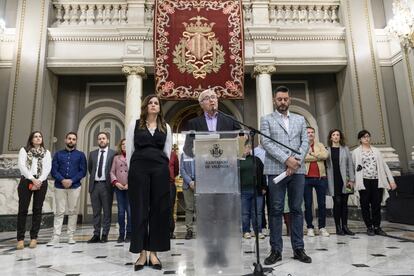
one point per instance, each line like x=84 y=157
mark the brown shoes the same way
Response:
x=33 y=244
x=20 y=245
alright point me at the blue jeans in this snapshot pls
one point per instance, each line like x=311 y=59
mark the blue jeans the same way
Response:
x=294 y=185
x=320 y=185
x=247 y=199
x=123 y=207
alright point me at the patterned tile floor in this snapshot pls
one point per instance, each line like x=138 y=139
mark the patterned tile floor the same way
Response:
x=336 y=255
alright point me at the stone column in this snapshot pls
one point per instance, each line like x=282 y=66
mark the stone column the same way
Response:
x=264 y=98
x=133 y=96
x=27 y=97
x=260 y=12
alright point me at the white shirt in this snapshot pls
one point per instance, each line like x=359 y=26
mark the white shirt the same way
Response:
x=29 y=174
x=285 y=119
x=103 y=176
x=129 y=143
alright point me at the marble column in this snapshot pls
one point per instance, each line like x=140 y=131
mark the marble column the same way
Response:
x=133 y=96
x=264 y=98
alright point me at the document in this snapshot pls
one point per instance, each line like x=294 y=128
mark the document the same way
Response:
x=280 y=177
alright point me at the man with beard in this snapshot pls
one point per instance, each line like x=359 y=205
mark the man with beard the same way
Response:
x=289 y=129
x=100 y=187
x=68 y=169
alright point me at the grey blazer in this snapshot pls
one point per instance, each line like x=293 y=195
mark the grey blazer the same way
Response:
x=346 y=166
x=273 y=126
x=93 y=166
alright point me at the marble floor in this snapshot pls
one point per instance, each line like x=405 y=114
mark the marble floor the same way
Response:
x=335 y=255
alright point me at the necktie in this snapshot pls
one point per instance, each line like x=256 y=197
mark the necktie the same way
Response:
x=100 y=166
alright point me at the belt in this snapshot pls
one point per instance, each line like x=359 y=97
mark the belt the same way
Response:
x=321 y=177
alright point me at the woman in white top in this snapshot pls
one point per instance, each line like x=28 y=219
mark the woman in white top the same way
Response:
x=34 y=164
x=372 y=180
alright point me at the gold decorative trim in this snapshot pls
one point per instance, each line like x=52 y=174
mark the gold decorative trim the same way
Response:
x=16 y=77
x=374 y=69
x=133 y=70
x=42 y=7
x=410 y=72
x=355 y=65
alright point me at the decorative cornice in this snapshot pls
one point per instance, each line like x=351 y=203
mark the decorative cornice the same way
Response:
x=133 y=70
x=263 y=69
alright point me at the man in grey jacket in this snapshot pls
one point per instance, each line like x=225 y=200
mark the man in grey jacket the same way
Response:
x=289 y=129
x=100 y=187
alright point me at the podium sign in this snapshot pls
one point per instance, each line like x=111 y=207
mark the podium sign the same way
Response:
x=218 y=207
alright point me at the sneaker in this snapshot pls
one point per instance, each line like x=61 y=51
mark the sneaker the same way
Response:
x=33 y=243
x=379 y=231
x=370 y=231
x=310 y=233
x=20 y=245
x=247 y=235
x=323 y=232
x=261 y=236
x=54 y=241
x=189 y=235
x=265 y=231
x=71 y=240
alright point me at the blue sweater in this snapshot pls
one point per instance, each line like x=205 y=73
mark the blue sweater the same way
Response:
x=68 y=165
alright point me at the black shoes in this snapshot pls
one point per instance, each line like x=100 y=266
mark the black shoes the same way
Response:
x=370 y=231
x=274 y=257
x=157 y=266
x=189 y=235
x=300 y=255
x=138 y=266
x=104 y=238
x=94 y=239
x=346 y=231
x=379 y=231
x=120 y=239
x=339 y=230
x=127 y=238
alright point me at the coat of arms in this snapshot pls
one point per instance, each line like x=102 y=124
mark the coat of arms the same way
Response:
x=198 y=52
x=216 y=151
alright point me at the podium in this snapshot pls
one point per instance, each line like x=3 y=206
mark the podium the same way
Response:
x=218 y=203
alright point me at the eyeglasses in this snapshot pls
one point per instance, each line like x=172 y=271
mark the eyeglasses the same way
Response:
x=211 y=97
x=366 y=136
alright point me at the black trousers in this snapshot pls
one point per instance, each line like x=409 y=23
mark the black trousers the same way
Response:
x=25 y=195
x=340 y=209
x=370 y=200
x=173 y=193
x=149 y=198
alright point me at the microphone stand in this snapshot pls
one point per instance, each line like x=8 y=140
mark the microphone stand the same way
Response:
x=258 y=269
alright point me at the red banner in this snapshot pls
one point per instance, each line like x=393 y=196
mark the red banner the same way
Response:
x=198 y=44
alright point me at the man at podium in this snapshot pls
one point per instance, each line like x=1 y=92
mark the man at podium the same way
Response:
x=210 y=121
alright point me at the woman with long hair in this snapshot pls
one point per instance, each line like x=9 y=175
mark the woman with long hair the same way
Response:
x=149 y=143
x=34 y=164
x=372 y=180
x=341 y=179
x=119 y=178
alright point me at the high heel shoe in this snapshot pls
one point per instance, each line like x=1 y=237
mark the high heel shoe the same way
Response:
x=157 y=266
x=138 y=266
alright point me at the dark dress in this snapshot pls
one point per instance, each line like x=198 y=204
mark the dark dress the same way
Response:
x=338 y=182
x=149 y=192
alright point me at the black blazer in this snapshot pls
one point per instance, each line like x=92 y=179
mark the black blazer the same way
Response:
x=199 y=123
x=93 y=166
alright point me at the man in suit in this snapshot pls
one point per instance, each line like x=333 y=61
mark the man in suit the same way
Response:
x=289 y=129
x=100 y=188
x=211 y=120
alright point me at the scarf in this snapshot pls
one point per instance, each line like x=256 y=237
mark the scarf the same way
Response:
x=38 y=153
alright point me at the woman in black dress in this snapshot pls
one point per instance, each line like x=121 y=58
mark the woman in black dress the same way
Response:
x=341 y=178
x=149 y=142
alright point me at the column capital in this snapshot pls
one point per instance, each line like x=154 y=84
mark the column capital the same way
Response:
x=133 y=70
x=263 y=69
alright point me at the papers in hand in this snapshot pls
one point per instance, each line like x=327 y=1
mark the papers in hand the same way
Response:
x=280 y=177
